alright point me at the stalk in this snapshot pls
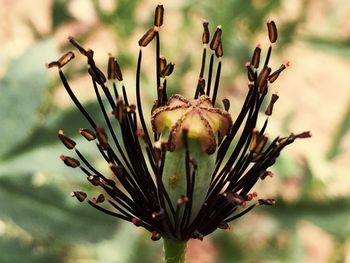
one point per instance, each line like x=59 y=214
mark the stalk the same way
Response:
x=174 y=250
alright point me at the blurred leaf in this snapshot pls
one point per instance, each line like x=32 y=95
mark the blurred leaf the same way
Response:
x=13 y=250
x=341 y=132
x=60 y=13
x=339 y=47
x=21 y=94
x=47 y=213
x=331 y=215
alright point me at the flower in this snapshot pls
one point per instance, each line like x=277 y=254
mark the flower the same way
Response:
x=194 y=172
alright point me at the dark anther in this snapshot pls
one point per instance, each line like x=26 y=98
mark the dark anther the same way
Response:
x=262 y=79
x=267 y=201
x=113 y=69
x=162 y=63
x=81 y=196
x=269 y=109
x=158 y=15
x=234 y=198
x=68 y=142
x=155 y=236
x=216 y=38
x=274 y=75
x=218 y=51
x=99 y=199
x=169 y=68
x=94 y=180
x=69 y=161
x=148 y=37
x=63 y=60
x=251 y=74
x=256 y=57
x=197 y=235
x=136 y=221
x=226 y=103
x=102 y=137
x=201 y=86
x=272 y=29
x=224 y=226
x=205 y=36
x=88 y=135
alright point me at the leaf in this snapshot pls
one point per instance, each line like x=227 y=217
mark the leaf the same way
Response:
x=341 y=132
x=49 y=214
x=21 y=93
x=13 y=250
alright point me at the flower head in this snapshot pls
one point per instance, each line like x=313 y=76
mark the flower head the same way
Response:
x=193 y=172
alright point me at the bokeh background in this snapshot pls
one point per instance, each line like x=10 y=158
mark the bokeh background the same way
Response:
x=39 y=222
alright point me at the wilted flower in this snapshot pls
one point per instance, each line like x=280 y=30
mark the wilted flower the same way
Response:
x=194 y=172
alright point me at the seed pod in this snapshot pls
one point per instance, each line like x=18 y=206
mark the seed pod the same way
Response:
x=68 y=142
x=158 y=15
x=148 y=37
x=88 y=135
x=272 y=30
x=206 y=35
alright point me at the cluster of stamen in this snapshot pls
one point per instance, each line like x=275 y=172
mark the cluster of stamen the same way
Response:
x=136 y=159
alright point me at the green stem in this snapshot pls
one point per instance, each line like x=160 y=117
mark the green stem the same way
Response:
x=174 y=251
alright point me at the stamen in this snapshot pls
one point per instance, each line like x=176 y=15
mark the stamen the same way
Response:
x=269 y=109
x=155 y=236
x=81 y=196
x=99 y=199
x=205 y=35
x=102 y=137
x=269 y=202
x=256 y=57
x=168 y=69
x=63 y=60
x=226 y=103
x=113 y=69
x=148 y=37
x=216 y=38
x=68 y=142
x=272 y=30
x=87 y=134
x=69 y=161
x=158 y=15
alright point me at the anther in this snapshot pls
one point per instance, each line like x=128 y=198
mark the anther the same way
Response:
x=136 y=221
x=81 y=196
x=94 y=180
x=272 y=30
x=226 y=103
x=87 y=134
x=218 y=51
x=158 y=215
x=63 y=60
x=102 y=137
x=99 y=199
x=155 y=236
x=269 y=108
x=68 y=142
x=251 y=74
x=169 y=68
x=256 y=57
x=234 y=198
x=206 y=35
x=69 y=161
x=224 y=226
x=267 y=202
x=158 y=15
x=148 y=37
x=216 y=38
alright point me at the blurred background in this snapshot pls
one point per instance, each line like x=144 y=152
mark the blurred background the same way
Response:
x=39 y=222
